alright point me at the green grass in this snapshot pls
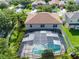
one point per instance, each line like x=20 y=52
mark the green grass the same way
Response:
x=56 y=9
x=73 y=35
x=27 y=10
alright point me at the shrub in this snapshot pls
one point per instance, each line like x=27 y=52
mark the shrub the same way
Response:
x=3 y=4
x=65 y=57
x=44 y=9
x=19 y=39
x=14 y=36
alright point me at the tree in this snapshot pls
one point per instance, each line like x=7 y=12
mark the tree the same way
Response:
x=3 y=4
x=7 y=21
x=16 y=2
x=26 y=3
x=71 y=6
x=44 y=8
x=21 y=18
x=25 y=58
x=53 y=6
x=2 y=45
x=8 y=55
x=47 y=1
x=47 y=54
x=29 y=6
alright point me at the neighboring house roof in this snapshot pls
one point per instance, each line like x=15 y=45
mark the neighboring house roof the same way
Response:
x=73 y=15
x=77 y=1
x=69 y=14
x=43 y=18
x=54 y=2
x=61 y=3
x=38 y=2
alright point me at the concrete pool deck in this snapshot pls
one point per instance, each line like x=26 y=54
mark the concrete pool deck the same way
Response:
x=36 y=38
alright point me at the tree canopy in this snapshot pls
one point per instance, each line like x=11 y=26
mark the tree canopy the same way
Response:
x=3 y=4
x=16 y=2
x=7 y=20
x=72 y=6
x=47 y=1
x=44 y=8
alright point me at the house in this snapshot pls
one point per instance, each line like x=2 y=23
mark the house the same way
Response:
x=35 y=43
x=72 y=18
x=54 y=2
x=64 y=0
x=77 y=1
x=43 y=20
x=57 y=2
x=37 y=3
x=61 y=3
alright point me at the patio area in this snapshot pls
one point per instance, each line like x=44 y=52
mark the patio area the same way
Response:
x=33 y=44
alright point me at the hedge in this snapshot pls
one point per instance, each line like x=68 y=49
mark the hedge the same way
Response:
x=19 y=39
x=65 y=57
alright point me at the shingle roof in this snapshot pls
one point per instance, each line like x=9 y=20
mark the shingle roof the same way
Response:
x=38 y=2
x=54 y=2
x=43 y=18
x=73 y=15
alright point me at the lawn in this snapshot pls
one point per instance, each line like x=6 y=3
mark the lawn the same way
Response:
x=65 y=56
x=27 y=10
x=73 y=35
x=56 y=9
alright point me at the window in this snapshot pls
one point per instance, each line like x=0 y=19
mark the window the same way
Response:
x=71 y=20
x=42 y=25
x=55 y=25
x=78 y=20
x=30 y=25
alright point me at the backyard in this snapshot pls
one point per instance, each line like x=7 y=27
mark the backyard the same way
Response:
x=12 y=28
x=73 y=35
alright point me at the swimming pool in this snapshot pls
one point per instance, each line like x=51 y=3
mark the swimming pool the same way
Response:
x=38 y=49
x=50 y=46
x=53 y=47
x=35 y=51
x=46 y=42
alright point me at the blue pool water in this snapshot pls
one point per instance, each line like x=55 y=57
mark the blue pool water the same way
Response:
x=35 y=51
x=51 y=46
x=54 y=47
